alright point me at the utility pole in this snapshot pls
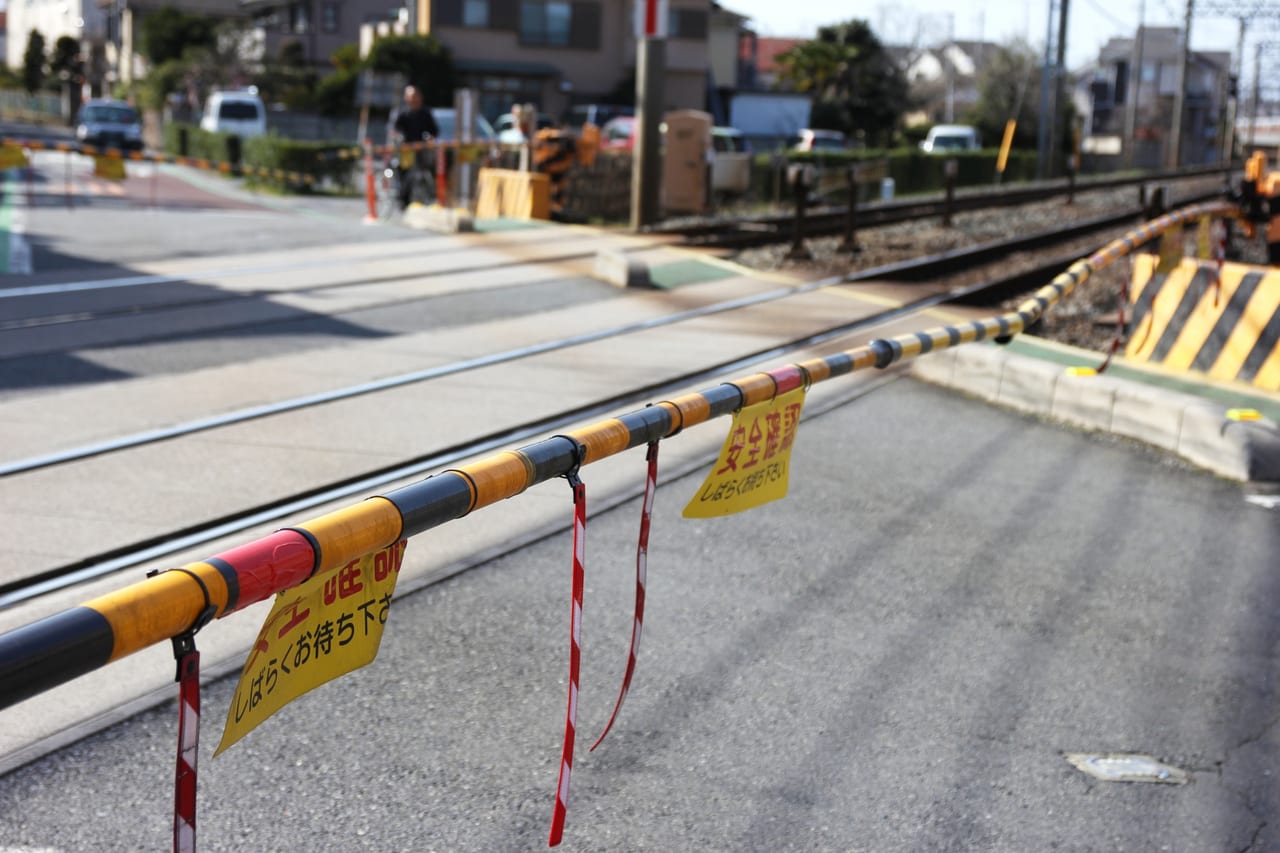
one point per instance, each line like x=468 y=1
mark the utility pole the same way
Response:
x=1180 y=91
x=1044 y=129
x=1134 y=92
x=651 y=64
x=1059 y=81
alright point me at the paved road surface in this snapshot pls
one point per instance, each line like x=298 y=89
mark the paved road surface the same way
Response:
x=893 y=658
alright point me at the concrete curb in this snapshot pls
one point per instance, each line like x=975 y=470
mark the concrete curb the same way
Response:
x=1192 y=427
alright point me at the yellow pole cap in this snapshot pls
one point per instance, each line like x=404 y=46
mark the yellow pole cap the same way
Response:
x=1244 y=415
x=1082 y=371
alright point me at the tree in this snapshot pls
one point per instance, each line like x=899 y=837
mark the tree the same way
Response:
x=857 y=87
x=33 y=62
x=65 y=63
x=424 y=62
x=1008 y=87
x=168 y=33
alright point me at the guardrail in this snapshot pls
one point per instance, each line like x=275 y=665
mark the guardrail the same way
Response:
x=168 y=605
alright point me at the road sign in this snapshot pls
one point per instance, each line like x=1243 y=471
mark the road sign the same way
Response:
x=651 y=18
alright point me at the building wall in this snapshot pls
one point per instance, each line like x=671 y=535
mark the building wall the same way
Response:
x=601 y=57
x=81 y=19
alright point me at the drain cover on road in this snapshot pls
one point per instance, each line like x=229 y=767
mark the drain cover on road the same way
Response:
x=1132 y=767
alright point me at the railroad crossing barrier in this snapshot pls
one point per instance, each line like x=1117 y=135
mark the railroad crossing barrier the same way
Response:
x=172 y=604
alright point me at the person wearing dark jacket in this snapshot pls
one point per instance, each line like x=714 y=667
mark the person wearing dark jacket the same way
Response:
x=413 y=123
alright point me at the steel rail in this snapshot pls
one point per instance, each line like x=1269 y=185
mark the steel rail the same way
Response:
x=61 y=647
x=911 y=270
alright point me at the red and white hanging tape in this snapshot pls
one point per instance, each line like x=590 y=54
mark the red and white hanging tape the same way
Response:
x=184 y=799
x=642 y=561
x=575 y=658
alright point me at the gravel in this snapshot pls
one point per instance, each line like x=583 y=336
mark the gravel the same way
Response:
x=1087 y=319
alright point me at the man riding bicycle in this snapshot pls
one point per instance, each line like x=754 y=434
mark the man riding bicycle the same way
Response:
x=412 y=124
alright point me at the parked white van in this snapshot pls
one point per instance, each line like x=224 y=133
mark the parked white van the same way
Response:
x=240 y=112
x=951 y=137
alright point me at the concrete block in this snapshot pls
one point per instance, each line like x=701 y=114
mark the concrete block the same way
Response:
x=445 y=220
x=621 y=269
x=1085 y=401
x=1028 y=384
x=936 y=367
x=979 y=369
x=1248 y=451
x=1151 y=415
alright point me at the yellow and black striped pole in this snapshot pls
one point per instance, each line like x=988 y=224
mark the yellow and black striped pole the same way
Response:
x=61 y=647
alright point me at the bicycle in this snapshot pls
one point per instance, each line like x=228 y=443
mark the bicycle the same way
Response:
x=395 y=169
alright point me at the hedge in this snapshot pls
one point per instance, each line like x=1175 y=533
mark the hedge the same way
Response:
x=912 y=170
x=267 y=152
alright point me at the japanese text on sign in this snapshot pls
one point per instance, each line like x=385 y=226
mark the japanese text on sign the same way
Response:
x=315 y=632
x=753 y=466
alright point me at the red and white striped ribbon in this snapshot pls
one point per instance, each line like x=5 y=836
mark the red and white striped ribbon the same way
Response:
x=575 y=658
x=184 y=800
x=642 y=561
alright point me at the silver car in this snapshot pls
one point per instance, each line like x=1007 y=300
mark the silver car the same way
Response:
x=105 y=123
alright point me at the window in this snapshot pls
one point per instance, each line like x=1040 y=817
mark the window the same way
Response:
x=329 y=17
x=545 y=22
x=300 y=17
x=687 y=24
x=475 y=13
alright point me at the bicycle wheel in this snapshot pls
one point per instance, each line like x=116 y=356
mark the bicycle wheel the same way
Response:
x=387 y=183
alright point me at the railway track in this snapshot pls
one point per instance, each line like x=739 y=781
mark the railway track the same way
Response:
x=795 y=317
x=832 y=220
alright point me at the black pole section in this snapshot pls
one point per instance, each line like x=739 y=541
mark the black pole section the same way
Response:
x=850 y=244
x=799 y=251
x=950 y=169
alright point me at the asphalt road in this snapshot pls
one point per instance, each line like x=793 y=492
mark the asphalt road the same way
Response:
x=894 y=657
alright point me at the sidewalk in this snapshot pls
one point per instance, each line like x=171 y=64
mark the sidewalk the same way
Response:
x=1183 y=413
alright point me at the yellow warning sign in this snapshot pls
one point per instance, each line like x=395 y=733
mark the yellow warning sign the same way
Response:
x=1204 y=239
x=324 y=628
x=108 y=168
x=754 y=463
x=12 y=157
x=1170 y=250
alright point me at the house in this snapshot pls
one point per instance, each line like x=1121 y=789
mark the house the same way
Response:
x=555 y=53
x=767 y=50
x=1131 y=113
x=552 y=53
x=83 y=20
x=943 y=79
x=121 y=18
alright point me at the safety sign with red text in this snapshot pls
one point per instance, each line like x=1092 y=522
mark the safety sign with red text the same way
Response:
x=754 y=463
x=317 y=631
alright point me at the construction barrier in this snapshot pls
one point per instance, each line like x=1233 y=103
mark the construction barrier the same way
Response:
x=513 y=194
x=1221 y=322
x=104 y=169
x=174 y=603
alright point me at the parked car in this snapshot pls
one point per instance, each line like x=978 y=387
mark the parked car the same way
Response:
x=508 y=132
x=106 y=123
x=238 y=111
x=597 y=114
x=951 y=137
x=447 y=121
x=729 y=139
x=810 y=139
x=618 y=134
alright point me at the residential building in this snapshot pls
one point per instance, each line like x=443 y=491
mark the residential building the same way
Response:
x=943 y=79
x=320 y=27
x=83 y=20
x=767 y=71
x=4 y=33
x=556 y=53
x=121 y=18
x=1129 y=112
